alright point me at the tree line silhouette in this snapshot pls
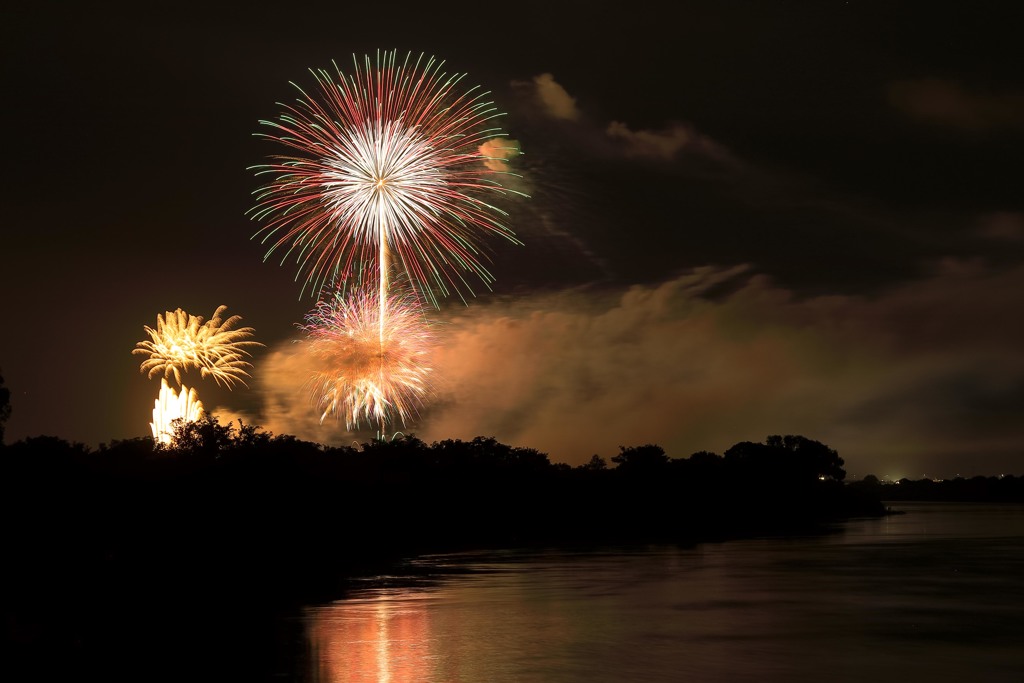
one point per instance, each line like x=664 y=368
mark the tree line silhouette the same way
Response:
x=228 y=494
x=227 y=505
x=1004 y=488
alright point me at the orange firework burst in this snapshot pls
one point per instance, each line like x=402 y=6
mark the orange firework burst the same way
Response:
x=373 y=358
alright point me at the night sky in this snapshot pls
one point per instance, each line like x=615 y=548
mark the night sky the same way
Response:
x=745 y=218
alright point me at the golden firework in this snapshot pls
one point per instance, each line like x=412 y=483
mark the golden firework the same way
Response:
x=181 y=342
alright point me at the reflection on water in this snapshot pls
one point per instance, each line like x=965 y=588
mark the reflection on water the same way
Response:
x=383 y=638
x=931 y=594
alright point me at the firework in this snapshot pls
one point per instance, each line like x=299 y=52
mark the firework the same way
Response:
x=394 y=161
x=171 y=406
x=181 y=342
x=373 y=358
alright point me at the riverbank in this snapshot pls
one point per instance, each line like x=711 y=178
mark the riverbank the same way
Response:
x=113 y=553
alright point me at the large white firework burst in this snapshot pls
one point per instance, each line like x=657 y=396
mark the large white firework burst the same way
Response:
x=394 y=158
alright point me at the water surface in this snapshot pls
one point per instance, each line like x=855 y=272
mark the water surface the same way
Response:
x=932 y=594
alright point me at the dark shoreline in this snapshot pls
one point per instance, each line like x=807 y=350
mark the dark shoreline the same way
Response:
x=124 y=558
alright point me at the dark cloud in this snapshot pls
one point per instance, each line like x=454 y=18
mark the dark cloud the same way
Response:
x=949 y=104
x=1004 y=226
x=650 y=203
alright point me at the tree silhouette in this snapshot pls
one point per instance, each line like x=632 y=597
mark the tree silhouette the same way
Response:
x=647 y=458
x=815 y=457
x=206 y=436
x=786 y=458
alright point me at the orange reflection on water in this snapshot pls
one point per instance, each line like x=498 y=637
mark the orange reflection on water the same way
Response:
x=381 y=639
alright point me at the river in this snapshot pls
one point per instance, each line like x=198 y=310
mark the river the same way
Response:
x=933 y=594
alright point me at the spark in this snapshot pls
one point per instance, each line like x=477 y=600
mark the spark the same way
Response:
x=374 y=360
x=394 y=158
x=181 y=342
x=171 y=406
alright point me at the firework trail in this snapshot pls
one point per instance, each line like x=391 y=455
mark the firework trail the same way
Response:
x=171 y=406
x=181 y=342
x=395 y=160
x=374 y=365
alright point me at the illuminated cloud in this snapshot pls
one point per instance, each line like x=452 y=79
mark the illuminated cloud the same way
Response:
x=557 y=103
x=892 y=381
x=948 y=104
x=904 y=382
x=497 y=151
x=617 y=138
x=663 y=144
x=288 y=408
